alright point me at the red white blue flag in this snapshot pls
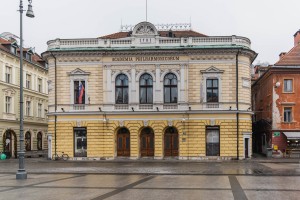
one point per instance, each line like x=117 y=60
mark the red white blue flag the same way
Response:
x=81 y=93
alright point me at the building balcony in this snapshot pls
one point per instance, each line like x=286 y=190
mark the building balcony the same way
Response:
x=155 y=107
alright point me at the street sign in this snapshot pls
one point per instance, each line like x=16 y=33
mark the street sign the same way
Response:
x=276 y=134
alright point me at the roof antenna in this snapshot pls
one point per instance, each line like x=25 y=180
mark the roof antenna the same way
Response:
x=146 y=10
x=121 y=24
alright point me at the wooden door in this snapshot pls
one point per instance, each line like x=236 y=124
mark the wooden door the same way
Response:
x=171 y=142
x=123 y=144
x=147 y=144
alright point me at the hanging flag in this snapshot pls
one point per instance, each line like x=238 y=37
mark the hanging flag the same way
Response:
x=81 y=93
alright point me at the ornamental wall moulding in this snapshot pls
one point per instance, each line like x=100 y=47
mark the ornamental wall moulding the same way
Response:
x=144 y=28
x=146 y=122
x=138 y=73
x=9 y=92
x=77 y=72
x=167 y=67
x=107 y=66
x=213 y=70
x=78 y=123
x=126 y=72
x=121 y=123
x=170 y=123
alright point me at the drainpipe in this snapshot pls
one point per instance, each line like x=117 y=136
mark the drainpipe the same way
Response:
x=237 y=104
x=55 y=103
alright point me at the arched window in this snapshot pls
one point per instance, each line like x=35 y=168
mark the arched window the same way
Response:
x=146 y=89
x=170 y=88
x=122 y=89
x=39 y=141
x=28 y=141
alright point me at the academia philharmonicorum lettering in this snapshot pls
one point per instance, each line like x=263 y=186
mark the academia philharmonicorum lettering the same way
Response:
x=150 y=93
x=139 y=59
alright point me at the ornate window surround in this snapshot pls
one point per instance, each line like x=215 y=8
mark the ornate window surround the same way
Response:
x=9 y=92
x=137 y=80
x=212 y=73
x=78 y=75
x=113 y=85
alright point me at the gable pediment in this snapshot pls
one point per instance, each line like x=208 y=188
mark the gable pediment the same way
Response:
x=212 y=69
x=9 y=92
x=78 y=72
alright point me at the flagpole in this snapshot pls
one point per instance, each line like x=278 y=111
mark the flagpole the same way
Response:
x=146 y=10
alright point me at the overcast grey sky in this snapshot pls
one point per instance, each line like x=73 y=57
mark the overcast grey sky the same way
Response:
x=269 y=24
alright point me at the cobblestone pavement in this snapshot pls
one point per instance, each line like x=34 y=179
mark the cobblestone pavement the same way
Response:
x=143 y=180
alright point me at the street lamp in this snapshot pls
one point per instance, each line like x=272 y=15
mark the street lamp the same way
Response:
x=21 y=173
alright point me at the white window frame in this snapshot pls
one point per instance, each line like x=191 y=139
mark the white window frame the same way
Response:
x=285 y=85
x=8 y=74
x=78 y=75
x=40 y=110
x=28 y=81
x=28 y=108
x=8 y=104
x=40 y=85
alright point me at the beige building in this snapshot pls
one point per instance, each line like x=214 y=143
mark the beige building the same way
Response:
x=35 y=99
x=151 y=91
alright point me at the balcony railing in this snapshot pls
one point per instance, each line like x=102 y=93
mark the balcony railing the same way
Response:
x=130 y=42
x=132 y=107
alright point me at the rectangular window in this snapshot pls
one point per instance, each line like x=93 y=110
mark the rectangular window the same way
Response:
x=212 y=141
x=288 y=115
x=28 y=81
x=28 y=108
x=8 y=74
x=288 y=85
x=79 y=92
x=8 y=104
x=40 y=84
x=40 y=110
x=29 y=57
x=13 y=50
x=212 y=90
x=80 y=142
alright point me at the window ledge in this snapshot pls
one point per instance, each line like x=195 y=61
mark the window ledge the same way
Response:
x=288 y=92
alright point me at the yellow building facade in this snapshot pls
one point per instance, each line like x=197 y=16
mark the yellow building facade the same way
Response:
x=150 y=92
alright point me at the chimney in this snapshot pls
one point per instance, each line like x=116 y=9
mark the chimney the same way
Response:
x=281 y=55
x=297 y=38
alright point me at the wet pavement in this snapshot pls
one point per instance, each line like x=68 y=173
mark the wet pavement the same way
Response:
x=150 y=167
x=149 y=179
x=144 y=187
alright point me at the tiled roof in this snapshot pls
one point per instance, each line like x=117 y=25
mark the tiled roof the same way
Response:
x=3 y=41
x=291 y=58
x=176 y=34
x=36 y=59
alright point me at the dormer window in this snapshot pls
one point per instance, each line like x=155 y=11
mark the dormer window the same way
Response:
x=13 y=50
x=28 y=57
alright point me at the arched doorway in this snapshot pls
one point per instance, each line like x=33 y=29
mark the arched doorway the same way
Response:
x=147 y=142
x=171 y=142
x=123 y=142
x=39 y=141
x=10 y=144
x=28 y=141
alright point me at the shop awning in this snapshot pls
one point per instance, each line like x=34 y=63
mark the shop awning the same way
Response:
x=292 y=135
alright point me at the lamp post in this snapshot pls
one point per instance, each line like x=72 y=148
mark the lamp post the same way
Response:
x=21 y=173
